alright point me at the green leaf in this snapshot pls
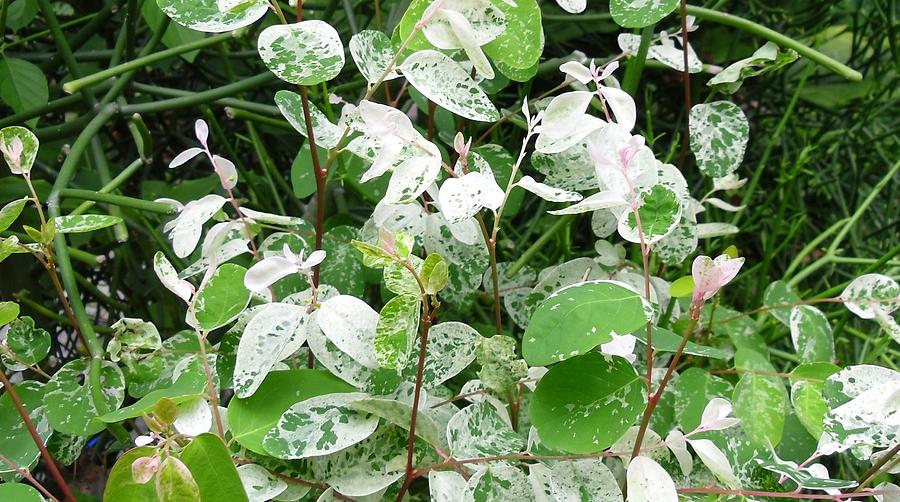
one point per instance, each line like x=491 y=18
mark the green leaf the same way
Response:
x=584 y=404
x=343 y=268
x=692 y=391
x=682 y=287
x=223 y=298
x=718 y=137
x=191 y=383
x=204 y=15
x=396 y=331
x=667 y=341
x=10 y=138
x=18 y=492
x=16 y=442
x=590 y=312
x=303 y=176
x=501 y=367
x=479 y=430
x=10 y=212
x=8 y=312
x=520 y=45
x=69 y=396
x=807 y=385
x=304 y=53
x=81 y=223
x=760 y=401
x=210 y=463
x=660 y=213
x=435 y=274
x=251 y=418
x=121 y=484
x=455 y=90
x=640 y=13
x=21 y=13
x=30 y=345
x=782 y=294
x=22 y=85
x=175 y=482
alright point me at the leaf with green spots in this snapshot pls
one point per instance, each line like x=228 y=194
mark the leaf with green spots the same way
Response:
x=812 y=334
x=190 y=384
x=66 y=448
x=10 y=212
x=590 y=311
x=291 y=106
x=304 y=53
x=210 y=464
x=16 y=442
x=584 y=404
x=251 y=418
x=82 y=223
x=585 y=480
x=479 y=430
x=29 y=345
x=319 y=426
x=451 y=349
x=204 y=15
x=807 y=385
x=455 y=90
x=372 y=52
x=19 y=147
x=264 y=339
x=155 y=371
x=766 y=59
x=718 y=137
x=501 y=368
x=69 y=397
x=396 y=331
x=121 y=484
x=498 y=482
x=343 y=268
x=222 y=299
x=760 y=401
x=779 y=298
x=259 y=483
x=640 y=13
x=399 y=413
x=863 y=406
x=174 y=481
x=803 y=477
x=18 y=492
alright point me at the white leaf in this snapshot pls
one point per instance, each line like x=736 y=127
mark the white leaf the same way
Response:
x=168 y=276
x=571 y=480
x=577 y=71
x=721 y=204
x=227 y=172
x=572 y=6
x=678 y=446
x=600 y=200
x=194 y=417
x=274 y=219
x=186 y=228
x=461 y=198
x=547 y=192
x=350 y=324
x=715 y=461
x=565 y=123
x=414 y=176
x=446 y=486
x=711 y=230
x=262 y=343
x=185 y=156
x=649 y=482
x=201 y=130
x=267 y=271
x=715 y=415
x=622 y=105
x=259 y=484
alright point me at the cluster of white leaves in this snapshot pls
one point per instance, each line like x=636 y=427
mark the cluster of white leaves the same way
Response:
x=875 y=296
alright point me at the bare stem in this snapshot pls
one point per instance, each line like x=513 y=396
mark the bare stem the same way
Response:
x=211 y=388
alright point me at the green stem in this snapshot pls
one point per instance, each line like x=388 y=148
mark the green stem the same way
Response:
x=117 y=200
x=197 y=98
x=100 y=76
x=538 y=245
x=773 y=36
x=168 y=92
x=109 y=187
x=636 y=64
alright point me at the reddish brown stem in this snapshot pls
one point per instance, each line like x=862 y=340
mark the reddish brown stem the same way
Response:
x=411 y=447
x=48 y=459
x=321 y=177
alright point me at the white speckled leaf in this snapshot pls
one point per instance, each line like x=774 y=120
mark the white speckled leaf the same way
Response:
x=350 y=324
x=260 y=484
x=812 y=335
x=77 y=224
x=372 y=52
x=330 y=356
x=263 y=342
x=395 y=334
x=194 y=417
x=760 y=401
x=69 y=402
x=640 y=13
x=649 y=482
x=304 y=53
x=414 y=175
x=547 y=192
x=455 y=90
x=586 y=480
x=204 y=15
x=718 y=137
x=479 y=430
x=868 y=294
x=572 y=6
x=291 y=107
x=451 y=348
x=319 y=426
x=571 y=169
x=446 y=486
x=186 y=228
x=13 y=136
x=399 y=414
x=461 y=198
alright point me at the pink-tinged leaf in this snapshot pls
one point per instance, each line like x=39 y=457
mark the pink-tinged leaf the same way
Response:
x=711 y=275
x=267 y=271
x=715 y=415
x=227 y=172
x=185 y=156
x=143 y=469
